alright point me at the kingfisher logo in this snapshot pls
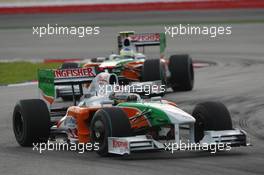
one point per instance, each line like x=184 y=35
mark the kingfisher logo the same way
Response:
x=151 y=37
x=120 y=144
x=82 y=72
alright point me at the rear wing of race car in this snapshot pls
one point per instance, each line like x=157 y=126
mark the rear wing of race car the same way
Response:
x=142 y=40
x=49 y=78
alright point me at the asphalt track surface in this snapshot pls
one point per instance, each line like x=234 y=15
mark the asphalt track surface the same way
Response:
x=18 y=42
x=236 y=79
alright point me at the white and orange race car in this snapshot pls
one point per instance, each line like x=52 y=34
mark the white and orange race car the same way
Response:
x=118 y=122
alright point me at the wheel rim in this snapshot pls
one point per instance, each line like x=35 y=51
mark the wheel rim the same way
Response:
x=99 y=132
x=18 y=125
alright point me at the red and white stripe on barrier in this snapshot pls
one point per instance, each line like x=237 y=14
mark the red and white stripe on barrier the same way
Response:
x=128 y=6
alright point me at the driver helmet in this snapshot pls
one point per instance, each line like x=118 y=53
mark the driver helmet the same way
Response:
x=127 y=52
x=113 y=56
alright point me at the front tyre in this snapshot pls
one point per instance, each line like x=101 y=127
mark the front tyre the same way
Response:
x=210 y=116
x=31 y=122
x=109 y=122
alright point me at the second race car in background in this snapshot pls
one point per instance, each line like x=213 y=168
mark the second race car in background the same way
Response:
x=133 y=67
x=130 y=65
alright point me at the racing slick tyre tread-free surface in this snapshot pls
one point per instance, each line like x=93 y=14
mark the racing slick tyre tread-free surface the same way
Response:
x=109 y=122
x=31 y=122
x=182 y=74
x=211 y=116
x=152 y=70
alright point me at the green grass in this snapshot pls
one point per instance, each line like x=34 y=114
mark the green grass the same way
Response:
x=21 y=71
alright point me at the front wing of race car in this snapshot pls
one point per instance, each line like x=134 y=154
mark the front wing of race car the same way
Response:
x=127 y=145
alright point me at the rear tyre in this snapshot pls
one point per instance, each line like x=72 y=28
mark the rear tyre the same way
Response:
x=31 y=122
x=182 y=74
x=210 y=116
x=154 y=70
x=109 y=122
